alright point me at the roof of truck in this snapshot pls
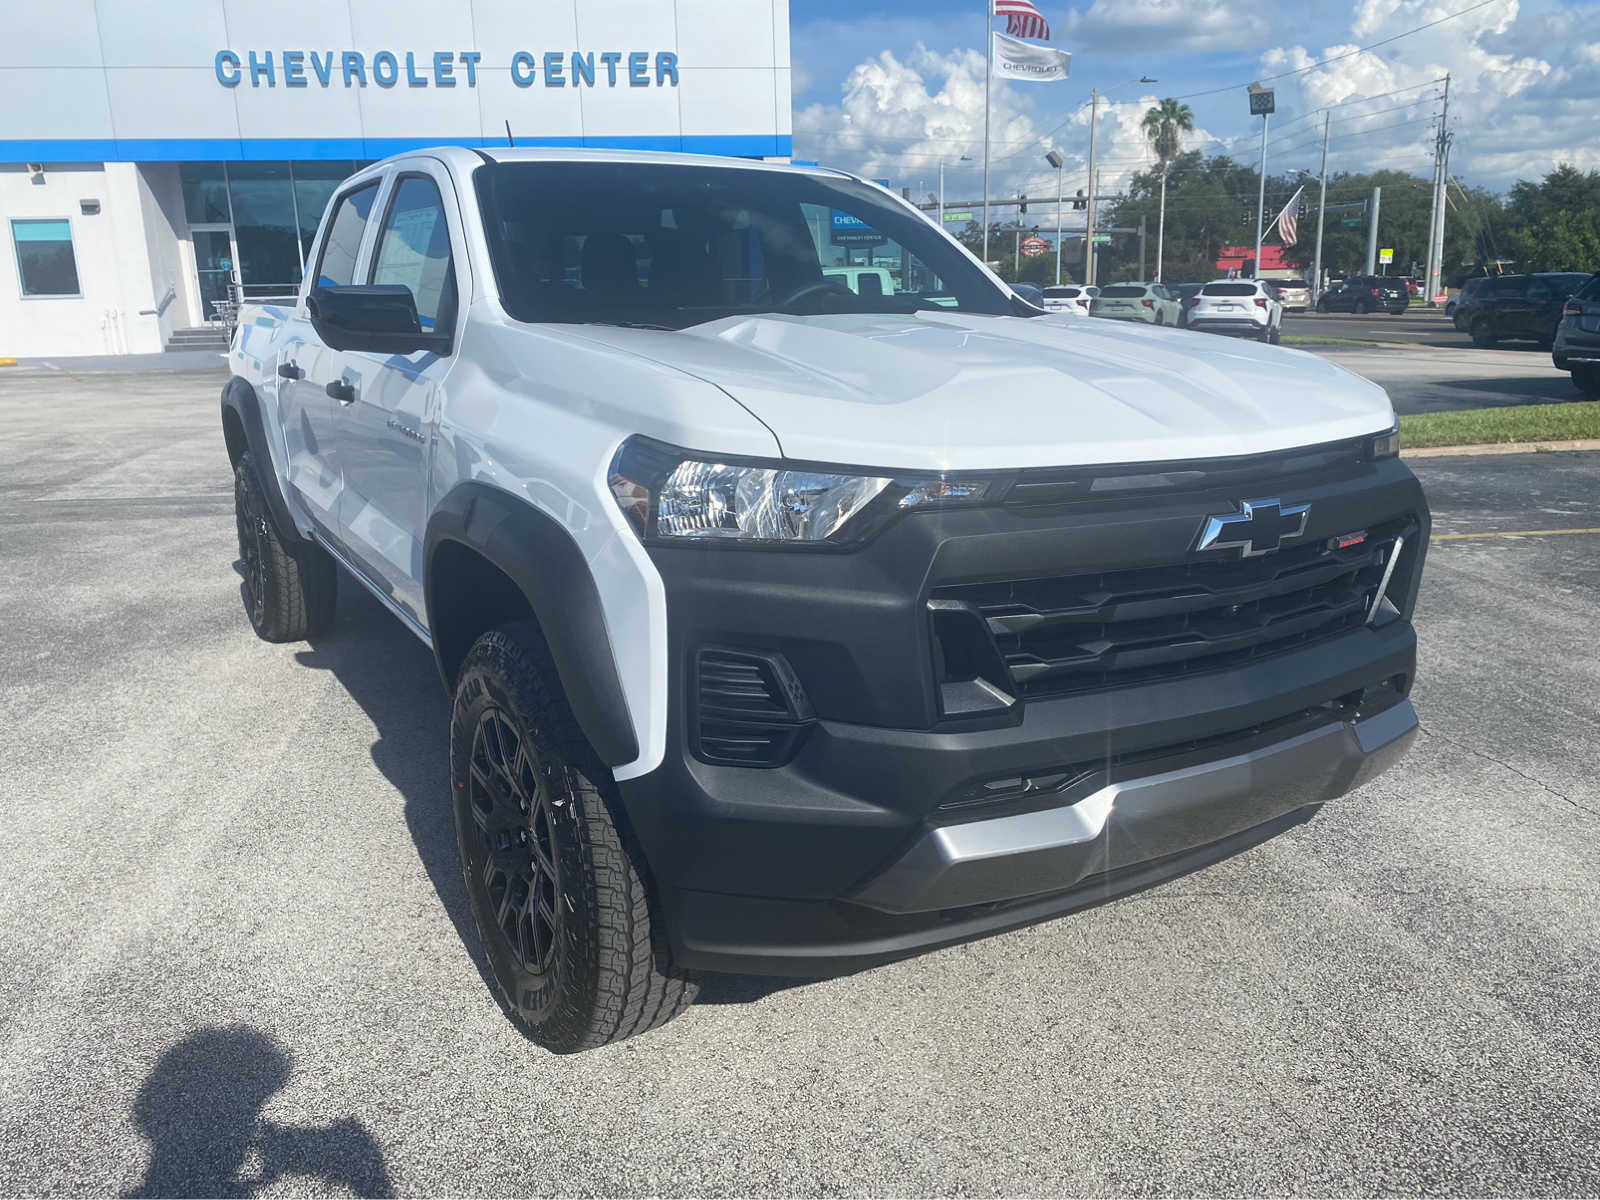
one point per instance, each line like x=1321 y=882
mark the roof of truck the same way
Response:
x=574 y=154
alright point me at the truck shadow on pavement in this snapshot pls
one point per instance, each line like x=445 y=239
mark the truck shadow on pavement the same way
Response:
x=200 y=1107
x=392 y=676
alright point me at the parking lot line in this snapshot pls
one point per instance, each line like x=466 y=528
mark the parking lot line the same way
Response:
x=1455 y=537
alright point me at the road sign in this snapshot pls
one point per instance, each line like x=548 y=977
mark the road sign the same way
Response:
x=958 y=216
x=1352 y=222
x=1102 y=239
x=1385 y=256
x=1262 y=101
x=1035 y=246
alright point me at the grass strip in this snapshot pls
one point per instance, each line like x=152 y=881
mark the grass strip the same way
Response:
x=1515 y=423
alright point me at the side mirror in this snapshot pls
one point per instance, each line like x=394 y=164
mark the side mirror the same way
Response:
x=380 y=318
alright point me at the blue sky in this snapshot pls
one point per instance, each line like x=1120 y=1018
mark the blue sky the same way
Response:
x=892 y=86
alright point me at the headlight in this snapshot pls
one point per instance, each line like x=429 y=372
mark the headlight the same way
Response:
x=1385 y=445
x=670 y=495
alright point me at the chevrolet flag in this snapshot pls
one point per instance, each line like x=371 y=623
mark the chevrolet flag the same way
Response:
x=1014 y=59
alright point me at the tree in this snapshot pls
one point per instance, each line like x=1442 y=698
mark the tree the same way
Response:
x=1164 y=125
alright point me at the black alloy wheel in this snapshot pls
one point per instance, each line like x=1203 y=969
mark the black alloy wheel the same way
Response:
x=513 y=866
x=254 y=547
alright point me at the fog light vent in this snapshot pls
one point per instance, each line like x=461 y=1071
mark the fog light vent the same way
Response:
x=750 y=709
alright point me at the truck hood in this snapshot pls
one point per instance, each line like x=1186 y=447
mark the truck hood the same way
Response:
x=952 y=391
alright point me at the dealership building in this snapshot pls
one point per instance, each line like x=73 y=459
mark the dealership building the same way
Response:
x=156 y=156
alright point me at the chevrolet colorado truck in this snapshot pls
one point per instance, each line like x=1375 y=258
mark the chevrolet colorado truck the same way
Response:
x=794 y=627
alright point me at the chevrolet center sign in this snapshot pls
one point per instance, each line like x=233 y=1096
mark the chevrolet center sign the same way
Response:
x=354 y=80
x=329 y=68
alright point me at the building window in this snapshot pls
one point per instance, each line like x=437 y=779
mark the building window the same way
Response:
x=205 y=193
x=44 y=258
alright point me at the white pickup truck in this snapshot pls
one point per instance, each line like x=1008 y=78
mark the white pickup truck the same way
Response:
x=793 y=627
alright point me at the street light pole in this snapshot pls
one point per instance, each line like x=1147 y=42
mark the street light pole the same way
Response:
x=1055 y=160
x=1161 y=225
x=1322 y=205
x=1088 y=240
x=1261 y=193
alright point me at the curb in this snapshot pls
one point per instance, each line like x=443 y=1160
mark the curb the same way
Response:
x=1501 y=448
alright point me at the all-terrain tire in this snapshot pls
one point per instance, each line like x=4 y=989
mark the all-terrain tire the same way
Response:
x=1276 y=337
x=290 y=591
x=558 y=885
x=1587 y=380
x=1483 y=335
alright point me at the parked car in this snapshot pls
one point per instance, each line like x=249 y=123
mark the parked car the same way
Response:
x=1294 y=293
x=1470 y=289
x=1245 y=307
x=1031 y=292
x=1577 y=344
x=1151 y=303
x=1520 y=307
x=1072 y=298
x=1365 y=294
x=719 y=703
x=1185 y=293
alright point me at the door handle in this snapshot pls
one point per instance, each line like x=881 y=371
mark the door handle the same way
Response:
x=287 y=370
x=341 y=391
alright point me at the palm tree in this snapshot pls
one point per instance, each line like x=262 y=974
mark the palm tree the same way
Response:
x=1165 y=124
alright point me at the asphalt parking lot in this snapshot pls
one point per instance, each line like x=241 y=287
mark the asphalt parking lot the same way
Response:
x=237 y=957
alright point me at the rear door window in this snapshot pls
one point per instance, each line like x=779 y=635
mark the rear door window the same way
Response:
x=1510 y=287
x=342 y=245
x=1123 y=292
x=1228 y=289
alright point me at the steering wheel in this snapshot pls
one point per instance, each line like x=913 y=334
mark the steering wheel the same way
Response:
x=827 y=283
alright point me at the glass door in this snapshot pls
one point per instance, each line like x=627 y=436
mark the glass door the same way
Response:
x=213 y=264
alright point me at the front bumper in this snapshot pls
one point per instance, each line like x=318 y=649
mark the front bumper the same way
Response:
x=894 y=827
x=1138 y=820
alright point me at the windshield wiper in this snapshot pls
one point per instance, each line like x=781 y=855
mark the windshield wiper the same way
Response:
x=635 y=325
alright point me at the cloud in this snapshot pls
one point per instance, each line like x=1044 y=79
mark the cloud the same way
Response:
x=1521 y=88
x=1157 y=26
x=897 y=118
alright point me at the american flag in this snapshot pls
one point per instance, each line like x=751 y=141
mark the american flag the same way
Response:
x=1022 y=19
x=1289 y=221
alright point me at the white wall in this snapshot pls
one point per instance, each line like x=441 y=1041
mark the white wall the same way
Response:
x=140 y=79
x=172 y=281
x=114 y=269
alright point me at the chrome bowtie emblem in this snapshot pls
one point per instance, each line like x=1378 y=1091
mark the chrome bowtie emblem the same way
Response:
x=1257 y=529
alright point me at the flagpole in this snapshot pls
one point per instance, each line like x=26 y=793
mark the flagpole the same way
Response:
x=988 y=83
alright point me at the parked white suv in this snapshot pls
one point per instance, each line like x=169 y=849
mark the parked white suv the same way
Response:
x=1245 y=307
x=792 y=627
x=1071 y=298
x=1151 y=303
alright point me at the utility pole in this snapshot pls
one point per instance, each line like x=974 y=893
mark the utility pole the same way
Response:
x=1161 y=225
x=1141 y=245
x=1372 y=232
x=1088 y=241
x=941 y=193
x=988 y=85
x=1436 y=232
x=1322 y=204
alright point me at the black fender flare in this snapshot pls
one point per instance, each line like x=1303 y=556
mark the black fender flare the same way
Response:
x=239 y=399
x=540 y=557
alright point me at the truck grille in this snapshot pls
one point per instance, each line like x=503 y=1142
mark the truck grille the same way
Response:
x=1058 y=636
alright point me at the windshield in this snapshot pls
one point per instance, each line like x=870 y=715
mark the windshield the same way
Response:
x=673 y=246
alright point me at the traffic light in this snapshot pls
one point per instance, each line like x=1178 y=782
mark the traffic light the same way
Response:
x=1079 y=201
x=1023 y=197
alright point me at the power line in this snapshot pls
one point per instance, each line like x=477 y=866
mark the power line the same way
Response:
x=1347 y=54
